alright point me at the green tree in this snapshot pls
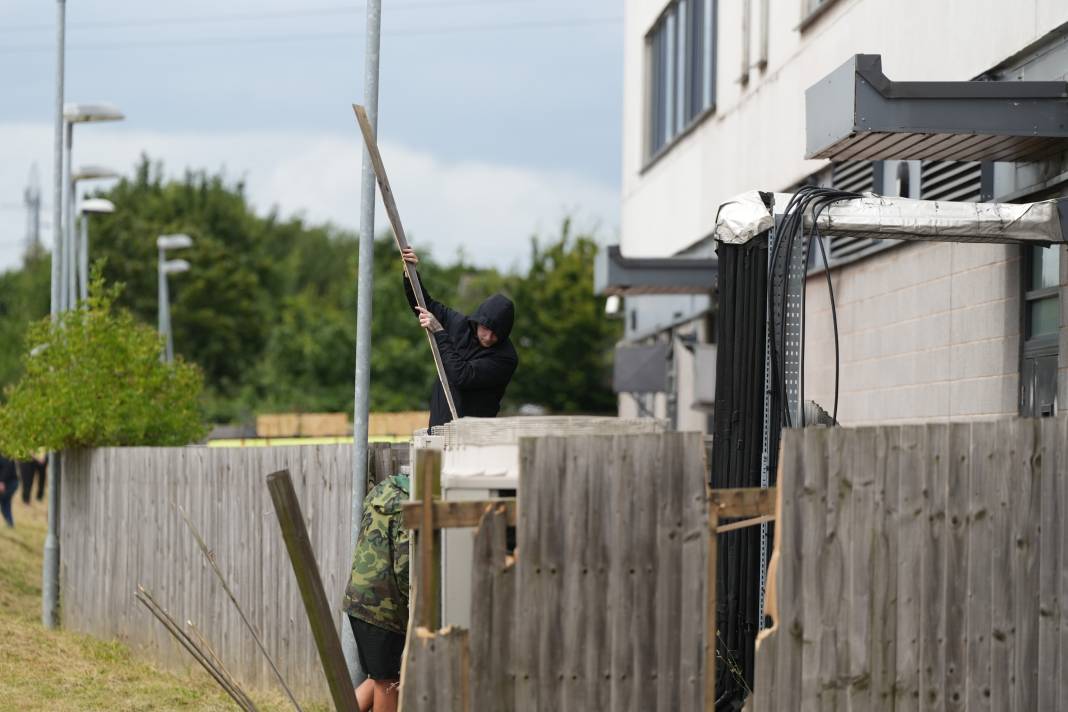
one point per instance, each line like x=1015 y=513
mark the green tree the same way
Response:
x=562 y=336
x=94 y=378
x=24 y=297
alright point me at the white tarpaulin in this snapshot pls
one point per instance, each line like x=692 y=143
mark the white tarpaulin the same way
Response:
x=745 y=216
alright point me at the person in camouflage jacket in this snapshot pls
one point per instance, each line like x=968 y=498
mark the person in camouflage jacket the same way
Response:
x=376 y=599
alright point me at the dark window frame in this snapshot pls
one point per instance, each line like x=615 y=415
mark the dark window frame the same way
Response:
x=663 y=129
x=1037 y=347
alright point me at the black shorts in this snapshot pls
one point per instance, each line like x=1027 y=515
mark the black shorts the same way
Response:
x=380 y=650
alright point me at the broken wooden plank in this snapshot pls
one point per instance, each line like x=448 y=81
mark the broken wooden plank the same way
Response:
x=452 y=514
x=402 y=241
x=320 y=612
x=743 y=502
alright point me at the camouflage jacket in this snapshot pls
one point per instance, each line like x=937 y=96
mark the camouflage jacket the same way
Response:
x=378 y=587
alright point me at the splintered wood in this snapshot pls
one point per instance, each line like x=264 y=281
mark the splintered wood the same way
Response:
x=920 y=567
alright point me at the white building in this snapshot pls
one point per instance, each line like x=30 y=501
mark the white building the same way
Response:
x=714 y=105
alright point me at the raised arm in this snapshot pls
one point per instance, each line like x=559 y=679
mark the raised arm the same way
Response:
x=442 y=313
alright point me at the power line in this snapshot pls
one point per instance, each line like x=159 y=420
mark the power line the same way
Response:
x=270 y=39
x=323 y=11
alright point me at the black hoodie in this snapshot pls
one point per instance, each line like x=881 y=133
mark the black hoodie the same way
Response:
x=478 y=375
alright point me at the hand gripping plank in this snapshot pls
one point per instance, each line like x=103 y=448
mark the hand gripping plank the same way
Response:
x=402 y=241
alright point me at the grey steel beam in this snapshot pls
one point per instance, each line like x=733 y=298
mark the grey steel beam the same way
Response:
x=615 y=274
x=856 y=112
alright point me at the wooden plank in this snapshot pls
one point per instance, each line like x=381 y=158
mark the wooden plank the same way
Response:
x=668 y=613
x=743 y=502
x=744 y=524
x=813 y=510
x=320 y=613
x=835 y=605
x=979 y=629
x=597 y=667
x=909 y=526
x=790 y=575
x=1049 y=608
x=451 y=514
x=957 y=565
x=620 y=577
x=575 y=566
x=932 y=602
x=428 y=472
x=1026 y=514
x=1062 y=576
x=1003 y=564
x=862 y=470
x=554 y=463
x=402 y=242
x=487 y=560
x=528 y=587
x=650 y=459
x=695 y=646
x=884 y=569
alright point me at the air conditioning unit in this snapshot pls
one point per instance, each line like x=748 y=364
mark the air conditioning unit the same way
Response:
x=480 y=460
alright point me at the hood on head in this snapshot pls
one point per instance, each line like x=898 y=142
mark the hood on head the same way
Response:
x=496 y=313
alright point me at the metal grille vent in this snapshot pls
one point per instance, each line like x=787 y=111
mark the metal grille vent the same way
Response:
x=858 y=177
x=950 y=180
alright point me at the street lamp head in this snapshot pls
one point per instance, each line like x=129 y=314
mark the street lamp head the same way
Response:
x=93 y=173
x=174 y=266
x=84 y=113
x=97 y=205
x=173 y=242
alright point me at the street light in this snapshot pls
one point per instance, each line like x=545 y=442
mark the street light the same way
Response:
x=165 y=267
x=77 y=114
x=89 y=207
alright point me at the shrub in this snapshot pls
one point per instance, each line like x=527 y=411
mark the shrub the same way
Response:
x=94 y=378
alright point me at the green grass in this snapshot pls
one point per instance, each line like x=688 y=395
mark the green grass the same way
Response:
x=60 y=671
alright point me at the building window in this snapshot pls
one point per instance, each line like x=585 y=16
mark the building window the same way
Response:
x=1041 y=325
x=811 y=9
x=681 y=52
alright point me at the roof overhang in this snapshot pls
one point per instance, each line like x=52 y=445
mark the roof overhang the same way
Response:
x=615 y=274
x=1042 y=223
x=855 y=113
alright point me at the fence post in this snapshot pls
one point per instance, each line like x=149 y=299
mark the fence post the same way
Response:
x=428 y=484
x=320 y=615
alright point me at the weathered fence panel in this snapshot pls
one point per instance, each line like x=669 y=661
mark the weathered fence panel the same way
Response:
x=120 y=527
x=920 y=568
x=603 y=606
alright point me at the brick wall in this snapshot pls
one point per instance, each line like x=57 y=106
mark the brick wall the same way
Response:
x=929 y=331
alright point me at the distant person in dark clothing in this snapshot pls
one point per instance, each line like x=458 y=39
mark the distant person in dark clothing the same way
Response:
x=9 y=484
x=479 y=359
x=29 y=470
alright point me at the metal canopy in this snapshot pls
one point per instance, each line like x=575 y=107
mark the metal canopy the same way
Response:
x=855 y=113
x=615 y=274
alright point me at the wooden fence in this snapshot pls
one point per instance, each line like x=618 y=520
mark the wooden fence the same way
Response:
x=603 y=604
x=920 y=567
x=120 y=528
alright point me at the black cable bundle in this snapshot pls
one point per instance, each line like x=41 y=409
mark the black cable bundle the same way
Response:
x=812 y=201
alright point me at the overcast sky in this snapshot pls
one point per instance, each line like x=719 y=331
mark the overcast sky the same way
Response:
x=497 y=117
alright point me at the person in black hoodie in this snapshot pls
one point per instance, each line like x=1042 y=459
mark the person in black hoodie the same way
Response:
x=478 y=356
x=9 y=483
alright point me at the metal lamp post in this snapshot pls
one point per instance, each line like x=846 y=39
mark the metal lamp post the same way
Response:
x=89 y=207
x=77 y=114
x=63 y=231
x=165 y=267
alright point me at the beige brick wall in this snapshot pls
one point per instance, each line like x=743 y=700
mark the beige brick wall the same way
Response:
x=929 y=331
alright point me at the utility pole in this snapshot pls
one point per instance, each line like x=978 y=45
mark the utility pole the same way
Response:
x=50 y=568
x=364 y=289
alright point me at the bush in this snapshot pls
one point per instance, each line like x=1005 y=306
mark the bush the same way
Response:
x=94 y=378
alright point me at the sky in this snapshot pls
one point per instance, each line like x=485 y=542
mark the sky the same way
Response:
x=497 y=118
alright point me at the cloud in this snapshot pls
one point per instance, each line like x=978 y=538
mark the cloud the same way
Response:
x=488 y=210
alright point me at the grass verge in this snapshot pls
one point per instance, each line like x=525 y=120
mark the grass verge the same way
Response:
x=61 y=671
